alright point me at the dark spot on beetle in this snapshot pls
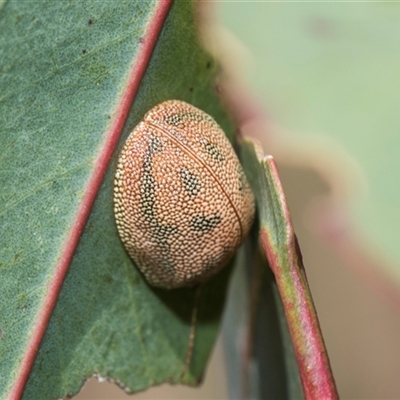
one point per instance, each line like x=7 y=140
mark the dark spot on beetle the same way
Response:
x=141 y=40
x=83 y=51
x=147 y=189
x=191 y=89
x=191 y=182
x=163 y=232
x=203 y=223
x=155 y=144
x=178 y=119
x=148 y=197
x=208 y=65
x=90 y=21
x=242 y=178
x=213 y=150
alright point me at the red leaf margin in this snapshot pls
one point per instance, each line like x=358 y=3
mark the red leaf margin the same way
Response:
x=99 y=170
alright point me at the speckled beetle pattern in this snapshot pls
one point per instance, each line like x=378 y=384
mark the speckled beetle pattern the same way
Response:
x=182 y=202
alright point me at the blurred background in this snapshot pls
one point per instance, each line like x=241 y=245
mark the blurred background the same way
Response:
x=319 y=83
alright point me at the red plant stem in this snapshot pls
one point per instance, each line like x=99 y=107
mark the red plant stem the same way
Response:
x=315 y=371
x=99 y=170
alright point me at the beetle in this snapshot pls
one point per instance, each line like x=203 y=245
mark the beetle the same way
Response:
x=182 y=202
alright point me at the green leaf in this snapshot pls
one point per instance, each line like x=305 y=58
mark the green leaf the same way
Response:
x=259 y=351
x=284 y=258
x=328 y=72
x=67 y=80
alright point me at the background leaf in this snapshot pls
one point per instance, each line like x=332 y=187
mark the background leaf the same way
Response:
x=65 y=68
x=328 y=72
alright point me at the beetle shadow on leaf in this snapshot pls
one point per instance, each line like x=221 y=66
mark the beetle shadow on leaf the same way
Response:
x=210 y=305
x=182 y=301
